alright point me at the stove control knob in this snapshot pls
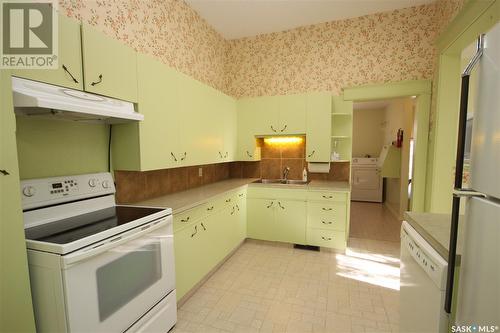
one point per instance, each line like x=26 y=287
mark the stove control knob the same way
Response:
x=29 y=191
x=92 y=182
x=105 y=184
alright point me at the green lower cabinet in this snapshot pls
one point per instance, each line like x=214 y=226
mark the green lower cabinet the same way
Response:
x=242 y=219
x=291 y=221
x=277 y=220
x=188 y=260
x=326 y=238
x=261 y=215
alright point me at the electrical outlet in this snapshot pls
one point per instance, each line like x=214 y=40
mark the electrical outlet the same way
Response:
x=200 y=172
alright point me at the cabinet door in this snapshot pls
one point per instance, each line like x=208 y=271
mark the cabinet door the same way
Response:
x=70 y=57
x=292 y=114
x=261 y=219
x=159 y=103
x=241 y=207
x=319 y=127
x=109 y=67
x=189 y=262
x=17 y=311
x=247 y=149
x=291 y=221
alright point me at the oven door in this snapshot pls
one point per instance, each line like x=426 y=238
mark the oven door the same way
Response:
x=111 y=284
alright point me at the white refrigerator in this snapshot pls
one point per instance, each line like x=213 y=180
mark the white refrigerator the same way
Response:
x=477 y=289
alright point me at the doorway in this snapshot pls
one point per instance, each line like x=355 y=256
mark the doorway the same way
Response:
x=381 y=166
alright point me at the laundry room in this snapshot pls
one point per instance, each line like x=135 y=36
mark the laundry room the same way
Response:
x=381 y=166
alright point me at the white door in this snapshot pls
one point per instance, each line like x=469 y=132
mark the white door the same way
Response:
x=479 y=289
x=109 y=287
x=485 y=151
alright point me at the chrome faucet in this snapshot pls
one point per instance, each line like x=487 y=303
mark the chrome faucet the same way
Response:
x=286 y=171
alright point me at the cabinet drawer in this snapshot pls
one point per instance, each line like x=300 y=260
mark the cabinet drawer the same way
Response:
x=331 y=211
x=263 y=192
x=332 y=222
x=189 y=216
x=326 y=238
x=327 y=196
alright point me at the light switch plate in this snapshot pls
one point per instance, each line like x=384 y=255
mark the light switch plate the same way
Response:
x=200 y=172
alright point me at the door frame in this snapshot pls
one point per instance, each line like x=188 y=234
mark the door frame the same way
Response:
x=421 y=89
x=476 y=17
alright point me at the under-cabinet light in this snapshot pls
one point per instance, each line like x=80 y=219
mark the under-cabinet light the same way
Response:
x=283 y=139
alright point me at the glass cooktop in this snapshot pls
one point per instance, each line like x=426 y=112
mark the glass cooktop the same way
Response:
x=81 y=226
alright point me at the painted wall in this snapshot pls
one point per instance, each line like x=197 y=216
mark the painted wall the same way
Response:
x=399 y=114
x=368 y=134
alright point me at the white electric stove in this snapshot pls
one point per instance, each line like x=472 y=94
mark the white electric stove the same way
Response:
x=96 y=266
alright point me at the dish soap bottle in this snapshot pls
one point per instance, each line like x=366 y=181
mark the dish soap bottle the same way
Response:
x=304 y=175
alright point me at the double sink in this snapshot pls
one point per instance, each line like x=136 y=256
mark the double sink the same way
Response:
x=282 y=181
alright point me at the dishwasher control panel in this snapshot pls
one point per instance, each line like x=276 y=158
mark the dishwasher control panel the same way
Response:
x=423 y=253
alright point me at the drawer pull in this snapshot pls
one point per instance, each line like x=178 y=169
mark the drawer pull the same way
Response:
x=186 y=219
x=240 y=195
x=204 y=228
x=238 y=207
x=324 y=222
x=327 y=209
x=195 y=231
x=271 y=204
x=232 y=212
x=210 y=208
x=228 y=200
x=326 y=238
x=328 y=196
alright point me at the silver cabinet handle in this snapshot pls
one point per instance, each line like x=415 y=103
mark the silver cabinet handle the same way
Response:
x=210 y=208
x=204 y=228
x=195 y=231
x=326 y=238
x=249 y=155
x=226 y=154
x=279 y=204
x=175 y=158
x=4 y=172
x=327 y=209
x=275 y=131
x=185 y=220
x=232 y=212
x=240 y=195
x=220 y=154
x=228 y=200
x=184 y=157
x=328 y=196
x=324 y=222
x=284 y=128
x=238 y=207
x=311 y=154
x=271 y=204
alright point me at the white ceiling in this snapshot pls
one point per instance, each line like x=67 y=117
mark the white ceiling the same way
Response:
x=243 y=18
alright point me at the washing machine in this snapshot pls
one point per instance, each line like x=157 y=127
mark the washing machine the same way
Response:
x=367 y=182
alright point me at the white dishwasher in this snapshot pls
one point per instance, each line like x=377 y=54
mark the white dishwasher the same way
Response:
x=423 y=284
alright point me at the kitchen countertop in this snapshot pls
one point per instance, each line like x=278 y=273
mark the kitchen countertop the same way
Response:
x=435 y=229
x=185 y=200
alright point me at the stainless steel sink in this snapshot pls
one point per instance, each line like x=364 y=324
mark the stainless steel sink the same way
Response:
x=281 y=181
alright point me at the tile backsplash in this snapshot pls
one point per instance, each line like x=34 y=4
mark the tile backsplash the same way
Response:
x=133 y=186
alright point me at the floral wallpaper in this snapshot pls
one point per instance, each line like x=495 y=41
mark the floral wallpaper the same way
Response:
x=167 y=29
x=383 y=47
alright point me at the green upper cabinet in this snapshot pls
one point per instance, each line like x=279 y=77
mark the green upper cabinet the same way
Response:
x=319 y=131
x=226 y=126
x=292 y=114
x=110 y=67
x=247 y=149
x=69 y=73
x=153 y=143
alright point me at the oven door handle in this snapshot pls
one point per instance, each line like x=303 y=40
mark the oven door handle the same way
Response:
x=113 y=242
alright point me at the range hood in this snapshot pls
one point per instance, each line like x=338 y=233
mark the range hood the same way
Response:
x=36 y=99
